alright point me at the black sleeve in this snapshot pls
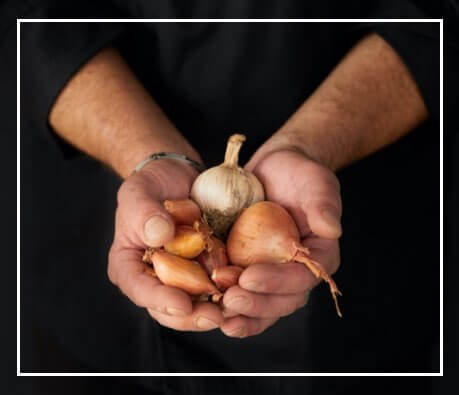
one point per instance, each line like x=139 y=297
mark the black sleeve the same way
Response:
x=417 y=43
x=51 y=52
x=418 y=47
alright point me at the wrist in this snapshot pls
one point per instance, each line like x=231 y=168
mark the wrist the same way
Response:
x=172 y=179
x=309 y=143
x=125 y=163
x=296 y=140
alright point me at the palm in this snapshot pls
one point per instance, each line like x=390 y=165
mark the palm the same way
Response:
x=157 y=182
x=295 y=182
x=139 y=205
x=271 y=291
x=304 y=188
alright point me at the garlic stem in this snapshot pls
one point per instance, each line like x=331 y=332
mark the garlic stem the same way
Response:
x=232 y=150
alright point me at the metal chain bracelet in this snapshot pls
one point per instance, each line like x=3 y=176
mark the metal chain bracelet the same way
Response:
x=170 y=155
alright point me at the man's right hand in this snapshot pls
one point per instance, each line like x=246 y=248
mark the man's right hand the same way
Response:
x=141 y=222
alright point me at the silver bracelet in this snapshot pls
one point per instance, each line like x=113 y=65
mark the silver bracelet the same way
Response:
x=170 y=155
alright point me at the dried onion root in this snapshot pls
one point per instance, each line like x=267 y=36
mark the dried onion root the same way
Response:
x=266 y=233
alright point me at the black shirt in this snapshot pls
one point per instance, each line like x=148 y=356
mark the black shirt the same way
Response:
x=213 y=79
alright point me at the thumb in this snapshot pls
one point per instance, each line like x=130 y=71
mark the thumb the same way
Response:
x=145 y=218
x=158 y=227
x=323 y=209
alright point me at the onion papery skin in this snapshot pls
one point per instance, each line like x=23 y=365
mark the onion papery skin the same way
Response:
x=214 y=258
x=187 y=242
x=182 y=273
x=263 y=233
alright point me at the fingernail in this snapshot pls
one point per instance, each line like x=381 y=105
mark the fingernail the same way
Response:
x=253 y=286
x=332 y=220
x=156 y=230
x=238 y=332
x=205 y=323
x=238 y=303
x=175 y=312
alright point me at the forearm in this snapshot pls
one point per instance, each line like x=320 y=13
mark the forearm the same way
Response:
x=367 y=102
x=105 y=112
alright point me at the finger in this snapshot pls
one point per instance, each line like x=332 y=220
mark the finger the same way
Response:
x=321 y=203
x=145 y=220
x=291 y=278
x=242 y=327
x=204 y=317
x=228 y=313
x=314 y=192
x=126 y=270
x=252 y=304
x=325 y=251
x=277 y=278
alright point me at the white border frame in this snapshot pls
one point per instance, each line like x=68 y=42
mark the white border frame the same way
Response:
x=18 y=164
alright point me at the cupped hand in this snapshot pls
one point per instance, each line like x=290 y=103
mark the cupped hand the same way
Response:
x=141 y=222
x=266 y=292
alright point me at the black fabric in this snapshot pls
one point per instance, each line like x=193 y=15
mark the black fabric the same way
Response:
x=409 y=40
x=451 y=213
x=47 y=67
x=213 y=79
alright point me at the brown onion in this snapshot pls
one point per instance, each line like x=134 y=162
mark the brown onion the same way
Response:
x=182 y=273
x=266 y=233
x=189 y=242
x=183 y=211
x=214 y=258
x=226 y=276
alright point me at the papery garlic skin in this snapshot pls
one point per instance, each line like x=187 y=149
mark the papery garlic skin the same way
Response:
x=222 y=192
x=221 y=206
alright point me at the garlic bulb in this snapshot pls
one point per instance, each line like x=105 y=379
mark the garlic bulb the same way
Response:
x=222 y=192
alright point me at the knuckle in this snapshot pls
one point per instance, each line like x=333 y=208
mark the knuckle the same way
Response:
x=289 y=308
x=122 y=191
x=161 y=320
x=111 y=272
x=271 y=322
x=153 y=313
x=274 y=283
x=111 y=275
x=334 y=268
x=321 y=202
x=136 y=294
x=254 y=305
x=303 y=301
x=257 y=327
x=301 y=280
x=334 y=183
x=334 y=265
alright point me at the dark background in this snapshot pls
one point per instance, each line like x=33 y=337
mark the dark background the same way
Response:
x=405 y=225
